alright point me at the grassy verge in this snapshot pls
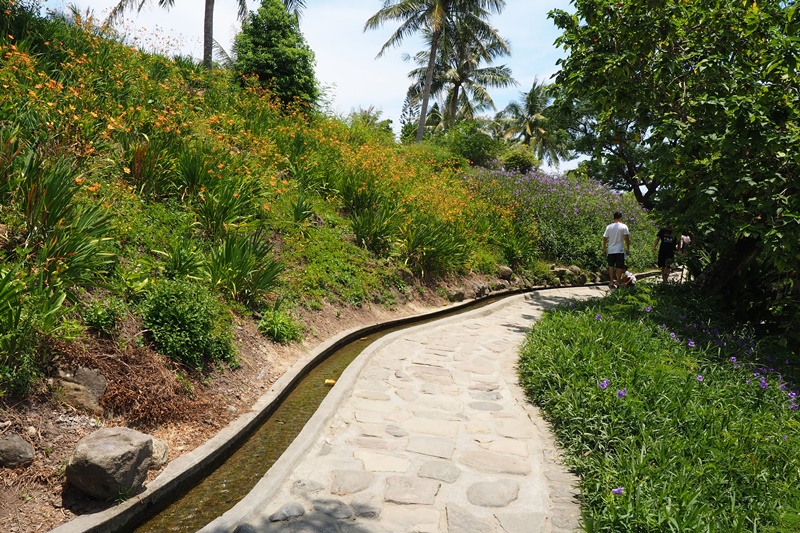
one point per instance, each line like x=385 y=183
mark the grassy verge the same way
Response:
x=674 y=419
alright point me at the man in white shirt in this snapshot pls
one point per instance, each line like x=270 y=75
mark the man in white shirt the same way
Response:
x=616 y=246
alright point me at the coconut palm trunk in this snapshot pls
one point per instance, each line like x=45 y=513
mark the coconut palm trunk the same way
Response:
x=426 y=90
x=208 y=33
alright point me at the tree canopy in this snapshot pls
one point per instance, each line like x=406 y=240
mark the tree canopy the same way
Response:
x=272 y=47
x=705 y=95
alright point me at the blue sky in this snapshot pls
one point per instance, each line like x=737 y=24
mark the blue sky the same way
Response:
x=345 y=54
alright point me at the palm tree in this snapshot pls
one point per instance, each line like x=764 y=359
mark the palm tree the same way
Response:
x=458 y=73
x=528 y=122
x=293 y=6
x=433 y=16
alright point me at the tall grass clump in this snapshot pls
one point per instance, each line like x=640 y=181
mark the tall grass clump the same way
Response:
x=671 y=416
x=571 y=213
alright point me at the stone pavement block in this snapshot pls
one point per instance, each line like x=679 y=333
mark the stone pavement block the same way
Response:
x=411 y=490
x=411 y=518
x=493 y=493
x=494 y=463
x=459 y=520
x=524 y=522
x=382 y=462
x=442 y=428
x=349 y=481
x=434 y=446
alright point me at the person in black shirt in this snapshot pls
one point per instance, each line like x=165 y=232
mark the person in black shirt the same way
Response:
x=666 y=250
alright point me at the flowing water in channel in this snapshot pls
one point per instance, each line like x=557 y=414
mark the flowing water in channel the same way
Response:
x=223 y=488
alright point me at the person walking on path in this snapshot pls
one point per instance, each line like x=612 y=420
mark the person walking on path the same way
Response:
x=616 y=246
x=666 y=250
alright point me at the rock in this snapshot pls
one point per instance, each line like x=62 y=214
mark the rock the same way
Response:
x=110 y=463
x=574 y=269
x=15 y=451
x=288 y=511
x=493 y=494
x=456 y=295
x=560 y=273
x=334 y=508
x=480 y=290
x=504 y=272
x=349 y=481
x=499 y=285
x=160 y=454
x=82 y=388
x=440 y=470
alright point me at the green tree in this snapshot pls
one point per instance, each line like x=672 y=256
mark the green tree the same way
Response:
x=272 y=47
x=460 y=79
x=433 y=16
x=530 y=122
x=710 y=93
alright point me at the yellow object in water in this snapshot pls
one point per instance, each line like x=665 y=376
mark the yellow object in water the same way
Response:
x=330 y=382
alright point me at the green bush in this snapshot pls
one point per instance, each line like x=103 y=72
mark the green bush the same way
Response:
x=103 y=315
x=519 y=159
x=670 y=416
x=467 y=140
x=280 y=327
x=187 y=323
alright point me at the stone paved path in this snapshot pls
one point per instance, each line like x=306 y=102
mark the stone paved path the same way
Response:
x=426 y=432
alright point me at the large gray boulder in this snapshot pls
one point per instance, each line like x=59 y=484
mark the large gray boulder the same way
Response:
x=110 y=463
x=15 y=451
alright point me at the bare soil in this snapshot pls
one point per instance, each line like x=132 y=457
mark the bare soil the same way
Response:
x=144 y=391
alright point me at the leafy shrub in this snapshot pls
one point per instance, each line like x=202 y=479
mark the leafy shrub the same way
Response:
x=103 y=315
x=280 y=327
x=187 y=323
x=467 y=140
x=519 y=159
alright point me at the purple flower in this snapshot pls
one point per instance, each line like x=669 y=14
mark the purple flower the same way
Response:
x=663 y=326
x=599 y=316
x=733 y=359
x=700 y=379
x=618 y=490
x=648 y=308
x=605 y=383
x=622 y=392
x=672 y=334
x=690 y=343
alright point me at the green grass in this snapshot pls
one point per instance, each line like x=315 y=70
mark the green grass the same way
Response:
x=672 y=409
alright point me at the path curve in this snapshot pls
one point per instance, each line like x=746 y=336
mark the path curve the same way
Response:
x=426 y=431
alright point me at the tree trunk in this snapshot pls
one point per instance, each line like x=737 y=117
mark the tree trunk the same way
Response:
x=208 y=34
x=453 y=106
x=720 y=274
x=426 y=91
